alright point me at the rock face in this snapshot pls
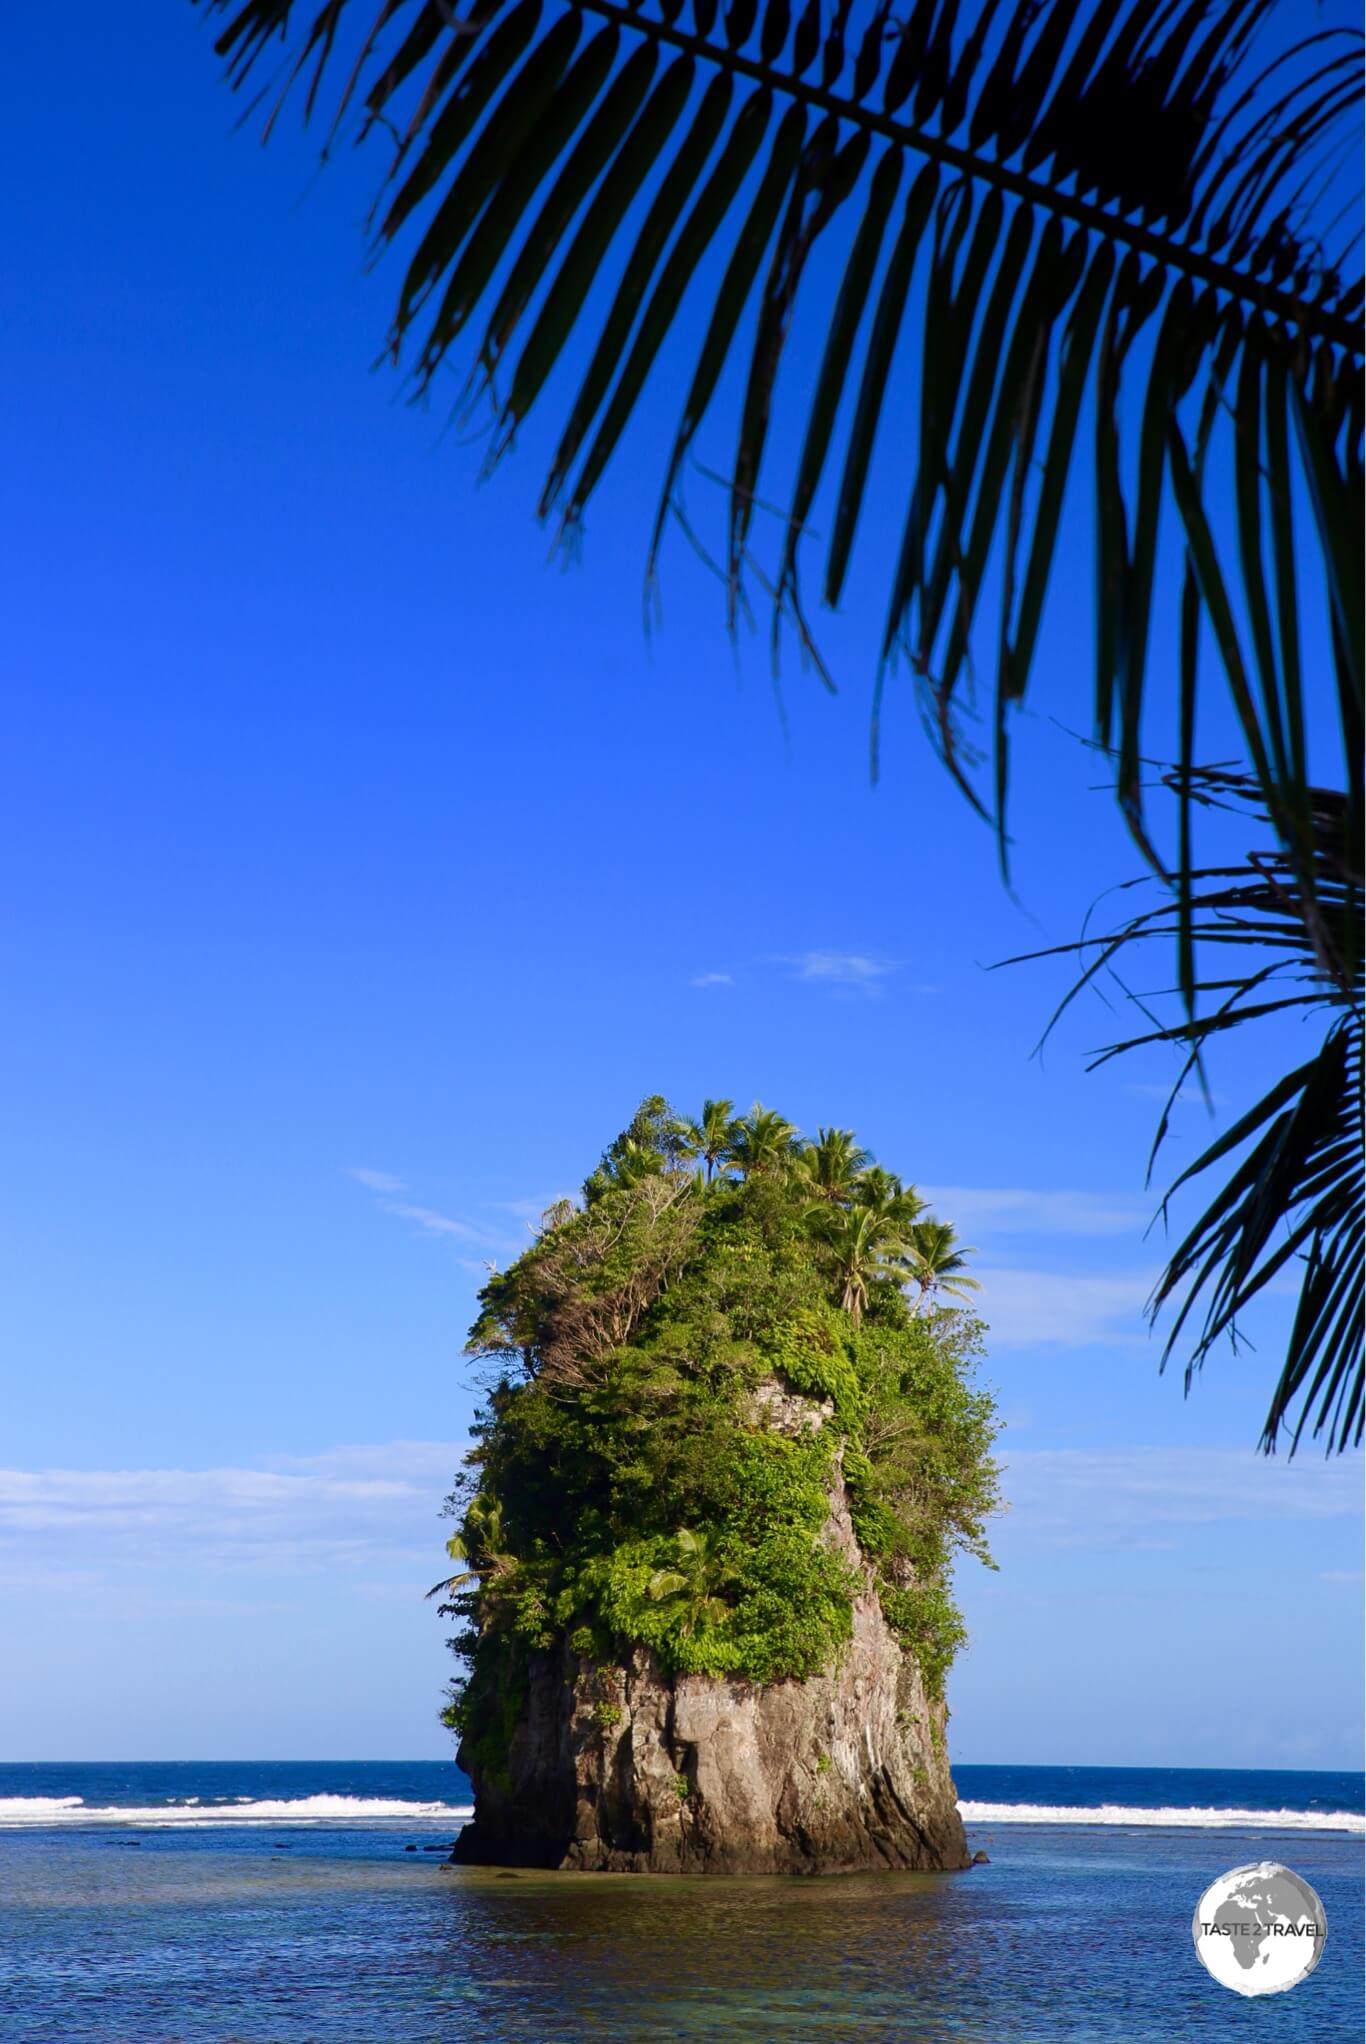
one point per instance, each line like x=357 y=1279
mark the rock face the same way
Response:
x=627 y=1770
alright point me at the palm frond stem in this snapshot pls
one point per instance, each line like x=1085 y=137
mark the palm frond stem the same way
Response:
x=1289 y=307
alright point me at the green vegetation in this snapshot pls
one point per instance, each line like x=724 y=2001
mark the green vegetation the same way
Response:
x=642 y=1474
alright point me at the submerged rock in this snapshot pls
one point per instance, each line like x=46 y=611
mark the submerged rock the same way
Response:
x=627 y=1769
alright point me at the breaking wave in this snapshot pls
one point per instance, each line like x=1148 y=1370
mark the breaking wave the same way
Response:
x=1167 y=1818
x=21 y=1810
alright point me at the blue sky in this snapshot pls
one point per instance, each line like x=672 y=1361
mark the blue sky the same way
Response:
x=365 y=869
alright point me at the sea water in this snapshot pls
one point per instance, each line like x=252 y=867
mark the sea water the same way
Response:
x=301 y=1903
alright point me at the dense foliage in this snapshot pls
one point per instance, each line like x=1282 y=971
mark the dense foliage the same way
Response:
x=626 y=1486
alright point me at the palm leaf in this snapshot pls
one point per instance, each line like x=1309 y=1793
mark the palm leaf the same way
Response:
x=1292 y=1197
x=1108 y=232
x=1094 y=173
x=450 y=1586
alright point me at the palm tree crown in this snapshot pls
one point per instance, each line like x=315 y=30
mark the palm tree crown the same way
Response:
x=861 y=1251
x=898 y=1206
x=833 y=1163
x=694 y=1582
x=709 y=1136
x=937 y=1263
x=762 y=1141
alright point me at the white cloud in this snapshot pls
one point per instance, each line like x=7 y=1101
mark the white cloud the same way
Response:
x=407 y=1462
x=344 y=1511
x=1021 y=1210
x=1087 y=1491
x=368 y=1515
x=429 y=1219
x=532 y=1209
x=1052 y=1309
x=713 y=979
x=376 y=1181
x=433 y=1223
x=841 y=968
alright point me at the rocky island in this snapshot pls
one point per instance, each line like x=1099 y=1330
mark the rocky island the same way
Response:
x=730 y=1447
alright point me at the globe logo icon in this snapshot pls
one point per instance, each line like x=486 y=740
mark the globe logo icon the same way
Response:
x=1259 y=1929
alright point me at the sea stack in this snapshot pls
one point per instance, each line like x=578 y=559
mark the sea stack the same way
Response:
x=730 y=1447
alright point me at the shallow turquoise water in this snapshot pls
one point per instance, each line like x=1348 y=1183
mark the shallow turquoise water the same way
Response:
x=306 y=1936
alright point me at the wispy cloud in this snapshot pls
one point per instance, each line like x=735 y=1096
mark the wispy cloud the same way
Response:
x=1059 y=1309
x=429 y=1219
x=1021 y=1210
x=375 y=1181
x=712 y=979
x=406 y=1462
x=368 y=1514
x=343 y=1510
x=433 y=1223
x=1082 y=1490
x=530 y=1210
x=841 y=969
x=1027 y=1306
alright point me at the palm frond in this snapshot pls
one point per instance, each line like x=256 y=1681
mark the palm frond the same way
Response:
x=1118 y=194
x=1291 y=1201
x=1088 y=218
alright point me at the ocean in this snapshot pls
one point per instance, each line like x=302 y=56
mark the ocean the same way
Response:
x=309 y=1903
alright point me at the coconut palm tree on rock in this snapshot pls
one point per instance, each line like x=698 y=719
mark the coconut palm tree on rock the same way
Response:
x=709 y=1136
x=860 y=1250
x=937 y=1262
x=763 y=1141
x=898 y=1206
x=834 y=1163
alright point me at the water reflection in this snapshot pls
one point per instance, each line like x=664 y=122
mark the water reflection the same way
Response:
x=346 y=1941
x=644 y=1957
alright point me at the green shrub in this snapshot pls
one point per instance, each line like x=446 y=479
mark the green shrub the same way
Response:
x=622 y=1493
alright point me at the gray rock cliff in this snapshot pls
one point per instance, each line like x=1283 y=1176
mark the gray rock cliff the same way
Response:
x=624 y=1769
